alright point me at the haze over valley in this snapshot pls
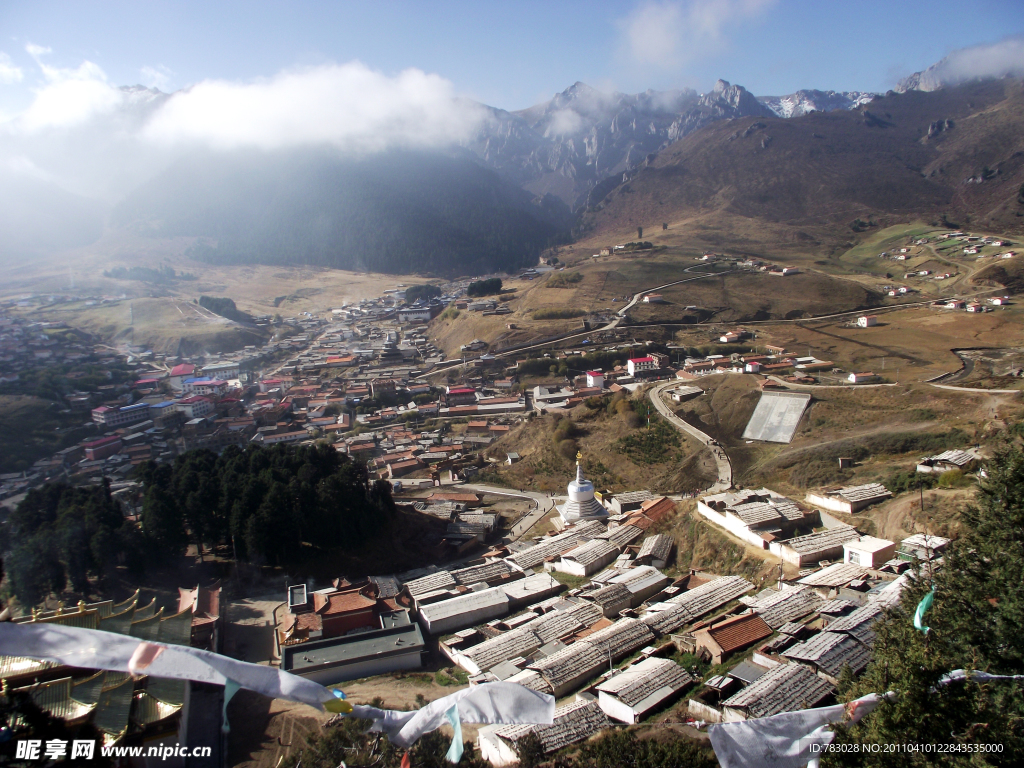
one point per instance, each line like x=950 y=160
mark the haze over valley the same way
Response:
x=573 y=385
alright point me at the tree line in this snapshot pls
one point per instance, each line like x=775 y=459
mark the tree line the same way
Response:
x=224 y=307
x=274 y=506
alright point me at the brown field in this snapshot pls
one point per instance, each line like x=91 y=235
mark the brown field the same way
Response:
x=543 y=468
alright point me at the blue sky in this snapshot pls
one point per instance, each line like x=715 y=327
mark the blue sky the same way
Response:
x=509 y=55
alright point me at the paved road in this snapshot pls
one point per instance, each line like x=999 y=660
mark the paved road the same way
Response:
x=542 y=505
x=724 y=481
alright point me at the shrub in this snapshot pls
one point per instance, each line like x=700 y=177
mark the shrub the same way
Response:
x=954 y=478
x=484 y=287
x=557 y=314
x=563 y=279
x=568 y=449
x=900 y=482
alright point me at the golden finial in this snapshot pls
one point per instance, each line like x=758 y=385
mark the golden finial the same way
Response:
x=81 y=606
x=60 y=607
x=579 y=456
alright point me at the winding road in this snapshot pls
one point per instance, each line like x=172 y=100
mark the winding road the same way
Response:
x=724 y=481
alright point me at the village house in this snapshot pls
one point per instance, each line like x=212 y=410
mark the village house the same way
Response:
x=869 y=552
x=717 y=641
x=629 y=695
x=947 y=461
x=814 y=547
x=850 y=499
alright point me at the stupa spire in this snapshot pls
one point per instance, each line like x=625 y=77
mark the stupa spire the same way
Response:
x=579 y=467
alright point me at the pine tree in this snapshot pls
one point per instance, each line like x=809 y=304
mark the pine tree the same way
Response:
x=977 y=623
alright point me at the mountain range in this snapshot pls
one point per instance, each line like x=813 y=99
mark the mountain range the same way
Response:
x=954 y=155
x=583 y=161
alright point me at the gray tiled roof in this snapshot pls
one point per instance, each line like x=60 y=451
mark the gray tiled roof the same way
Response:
x=817 y=542
x=573 y=723
x=632 y=497
x=611 y=595
x=529 y=678
x=648 y=677
x=658 y=547
x=795 y=605
x=518 y=642
x=388 y=586
x=864 y=492
x=837 y=606
x=587 y=614
x=859 y=623
x=591 y=552
x=554 y=626
x=622 y=637
x=623 y=535
x=483 y=572
x=830 y=652
x=835 y=575
x=556 y=545
x=568 y=663
x=669 y=620
x=714 y=594
x=785 y=688
x=431 y=583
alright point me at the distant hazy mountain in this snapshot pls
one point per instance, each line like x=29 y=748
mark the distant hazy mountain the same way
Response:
x=399 y=212
x=803 y=102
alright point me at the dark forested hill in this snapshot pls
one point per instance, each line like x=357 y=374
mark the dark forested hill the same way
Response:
x=397 y=212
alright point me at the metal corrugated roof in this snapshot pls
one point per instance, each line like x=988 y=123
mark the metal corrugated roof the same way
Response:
x=20 y=665
x=55 y=697
x=463 y=604
x=176 y=629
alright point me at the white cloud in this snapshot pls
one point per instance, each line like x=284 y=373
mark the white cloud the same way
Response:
x=68 y=96
x=158 y=77
x=667 y=35
x=1005 y=57
x=349 y=106
x=9 y=72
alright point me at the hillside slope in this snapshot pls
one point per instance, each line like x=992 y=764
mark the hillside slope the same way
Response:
x=400 y=212
x=957 y=152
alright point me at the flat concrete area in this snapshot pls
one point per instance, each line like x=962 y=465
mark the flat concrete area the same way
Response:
x=249 y=634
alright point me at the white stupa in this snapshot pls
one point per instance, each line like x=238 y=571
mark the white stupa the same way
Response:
x=581 y=504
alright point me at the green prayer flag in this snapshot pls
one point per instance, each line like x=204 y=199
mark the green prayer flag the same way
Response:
x=922 y=608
